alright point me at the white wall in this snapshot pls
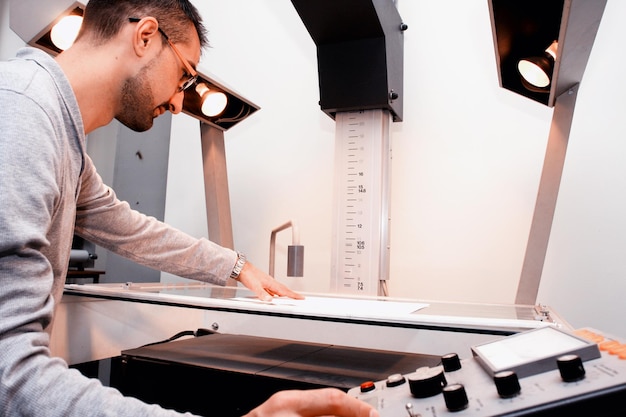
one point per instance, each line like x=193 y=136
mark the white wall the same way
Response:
x=9 y=41
x=466 y=160
x=466 y=166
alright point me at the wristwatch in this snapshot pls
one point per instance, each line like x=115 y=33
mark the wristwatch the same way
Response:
x=241 y=260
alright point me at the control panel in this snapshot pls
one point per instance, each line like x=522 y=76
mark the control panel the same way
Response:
x=574 y=373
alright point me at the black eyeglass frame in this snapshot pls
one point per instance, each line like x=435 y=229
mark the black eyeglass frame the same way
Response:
x=193 y=74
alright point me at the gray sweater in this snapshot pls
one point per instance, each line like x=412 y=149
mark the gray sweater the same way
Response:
x=49 y=189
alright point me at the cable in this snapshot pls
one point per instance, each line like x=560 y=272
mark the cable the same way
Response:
x=197 y=333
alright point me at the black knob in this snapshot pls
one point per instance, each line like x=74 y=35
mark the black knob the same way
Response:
x=451 y=362
x=571 y=368
x=395 y=380
x=507 y=384
x=427 y=382
x=455 y=397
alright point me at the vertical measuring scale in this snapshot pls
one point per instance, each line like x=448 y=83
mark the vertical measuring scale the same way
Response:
x=360 y=257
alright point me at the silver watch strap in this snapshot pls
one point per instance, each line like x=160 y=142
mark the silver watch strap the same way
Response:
x=241 y=260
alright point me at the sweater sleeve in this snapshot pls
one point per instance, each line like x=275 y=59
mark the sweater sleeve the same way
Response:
x=32 y=383
x=105 y=220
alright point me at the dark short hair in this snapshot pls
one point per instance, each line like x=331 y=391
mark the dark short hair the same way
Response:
x=103 y=19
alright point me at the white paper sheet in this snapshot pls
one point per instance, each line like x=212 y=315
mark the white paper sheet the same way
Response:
x=343 y=306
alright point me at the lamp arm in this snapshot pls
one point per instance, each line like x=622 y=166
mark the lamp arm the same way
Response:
x=545 y=205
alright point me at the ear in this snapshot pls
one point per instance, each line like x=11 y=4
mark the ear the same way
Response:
x=146 y=36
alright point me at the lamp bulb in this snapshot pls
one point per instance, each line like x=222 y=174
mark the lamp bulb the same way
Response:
x=213 y=102
x=533 y=73
x=537 y=71
x=64 y=33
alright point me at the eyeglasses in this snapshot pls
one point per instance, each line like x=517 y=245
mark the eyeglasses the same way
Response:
x=191 y=75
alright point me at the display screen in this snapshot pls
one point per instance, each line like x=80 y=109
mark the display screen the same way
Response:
x=533 y=351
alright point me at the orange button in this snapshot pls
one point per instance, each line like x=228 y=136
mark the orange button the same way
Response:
x=589 y=335
x=609 y=344
x=581 y=332
x=368 y=386
x=617 y=349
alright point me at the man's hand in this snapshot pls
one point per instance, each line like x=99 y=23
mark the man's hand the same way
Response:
x=263 y=285
x=312 y=403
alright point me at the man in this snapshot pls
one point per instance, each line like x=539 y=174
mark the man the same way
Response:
x=131 y=61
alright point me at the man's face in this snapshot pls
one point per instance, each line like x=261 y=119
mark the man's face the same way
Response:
x=156 y=88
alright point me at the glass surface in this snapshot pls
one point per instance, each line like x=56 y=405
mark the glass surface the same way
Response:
x=449 y=309
x=385 y=311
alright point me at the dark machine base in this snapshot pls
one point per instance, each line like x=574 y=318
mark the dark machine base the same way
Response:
x=228 y=375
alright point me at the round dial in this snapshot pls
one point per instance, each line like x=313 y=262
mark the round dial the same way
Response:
x=571 y=368
x=427 y=382
x=455 y=397
x=507 y=384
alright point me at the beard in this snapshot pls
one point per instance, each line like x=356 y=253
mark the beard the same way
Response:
x=137 y=110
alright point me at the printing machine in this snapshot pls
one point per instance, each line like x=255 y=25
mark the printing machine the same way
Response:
x=189 y=346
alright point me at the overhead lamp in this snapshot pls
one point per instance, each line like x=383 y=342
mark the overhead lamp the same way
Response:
x=51 y=25
x=523 y=28
x=520 y=28
x=536 y=71
x=214 y=103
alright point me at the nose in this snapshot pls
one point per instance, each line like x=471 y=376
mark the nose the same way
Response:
x=176 y=102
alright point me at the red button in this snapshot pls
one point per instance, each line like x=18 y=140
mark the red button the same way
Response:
x=368 y=386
